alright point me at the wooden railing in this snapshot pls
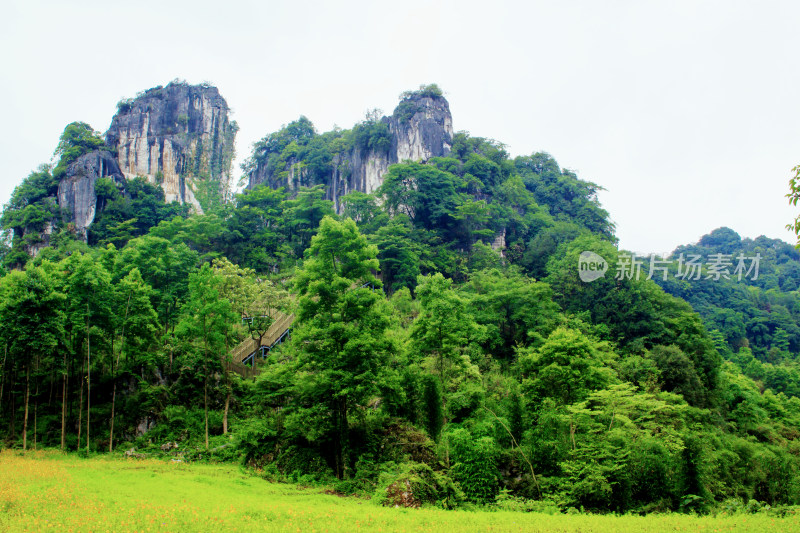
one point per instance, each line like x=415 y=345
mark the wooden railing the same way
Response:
x=243 y=370
x=244 y=349
x=249 y=347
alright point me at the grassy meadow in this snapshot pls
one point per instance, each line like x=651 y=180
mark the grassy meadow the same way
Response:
x=48 y=491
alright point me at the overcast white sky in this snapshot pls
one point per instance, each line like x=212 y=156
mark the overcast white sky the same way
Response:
x=687 y=113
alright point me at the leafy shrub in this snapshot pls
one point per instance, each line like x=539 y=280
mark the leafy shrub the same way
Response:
x=462 y=403
x=255 y=441
x=505 y=501
x=366 y=473
x=303 y=465
x=125 y=105
x=474 y=465
x=407 y=109
x=180 y=424
x=416 y=484
x=402 y=442
x=372 y=135
x=221 y=449
x=425 y=91
x=409 y=101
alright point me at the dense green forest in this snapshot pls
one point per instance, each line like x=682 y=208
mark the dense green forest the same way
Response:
x=421 y=356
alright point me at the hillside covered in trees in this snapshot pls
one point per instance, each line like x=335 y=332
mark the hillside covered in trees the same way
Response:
x=442 y=340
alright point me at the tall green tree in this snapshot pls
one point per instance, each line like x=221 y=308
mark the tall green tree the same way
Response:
x=166 y=268
x=123 y=215
x=341 y=340
x=207 y=324
x=445 y=328
x=89 y=293
x=515 y=310
x=626 y=449
x=399 y=255
x=256 y=227
x=31 y=313
x=430 y=197
x=567 y=367
x=365 y=210
x=135 y=324
x=303 y=214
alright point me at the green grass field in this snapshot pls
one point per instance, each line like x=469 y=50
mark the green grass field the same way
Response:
x=51 y=491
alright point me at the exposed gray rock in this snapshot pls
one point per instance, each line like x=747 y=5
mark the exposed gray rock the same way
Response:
x=132 y=453
x=175 y=136
x=43 y=241
x=145 y=425
x=426 y=133
x=499 y=243
x=421 y=127
x=76 y=195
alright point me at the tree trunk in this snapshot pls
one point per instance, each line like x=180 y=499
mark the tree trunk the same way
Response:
x=25 y=420
x=205 y=404
x=111 y=429
x=35 y=417
x=572 y=433
x=80 y=413
x=225 y=415
x=114 y=371
x=88 y=377
x=64 y=404
x=228 y=387
x=12 y=431
x=52 y=387
x=205 y=376
x=113 y=398
x=36 y=405
x=342 y=437
x=338 y=446
x=3 y=378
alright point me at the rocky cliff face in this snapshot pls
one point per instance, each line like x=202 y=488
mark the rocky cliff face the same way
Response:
x=178 y=136
x=420 y=127
x=76 y=194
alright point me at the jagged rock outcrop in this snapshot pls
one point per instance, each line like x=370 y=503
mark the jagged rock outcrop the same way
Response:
x=421 y=127
x=178 y=136
x=76 y=195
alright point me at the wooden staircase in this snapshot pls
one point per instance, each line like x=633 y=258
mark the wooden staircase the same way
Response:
x=247 y=351
x=243 y=357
